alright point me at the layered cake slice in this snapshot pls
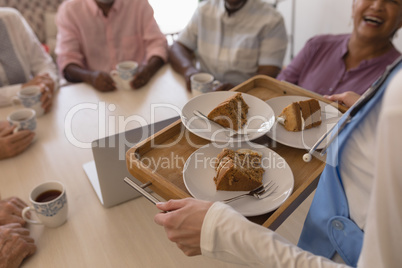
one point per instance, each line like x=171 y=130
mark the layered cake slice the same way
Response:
x=301 y=115
x=232 y=113
x=239 y=170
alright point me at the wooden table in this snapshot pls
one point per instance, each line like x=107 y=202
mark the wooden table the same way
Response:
x=121 y=236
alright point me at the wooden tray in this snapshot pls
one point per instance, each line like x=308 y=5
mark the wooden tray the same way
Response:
x=160 y=159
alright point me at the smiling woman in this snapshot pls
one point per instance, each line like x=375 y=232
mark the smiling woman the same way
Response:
x=333 y=64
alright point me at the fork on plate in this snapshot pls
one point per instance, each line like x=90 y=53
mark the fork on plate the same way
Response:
x=261 y=192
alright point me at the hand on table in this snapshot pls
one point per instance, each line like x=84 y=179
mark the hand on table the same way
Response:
x=47 y=88
x=141 y=78
x=12 y=144
x=347 y=98
x=102 y=81
x=11 y=211
x=183 y=222
x=15 y=245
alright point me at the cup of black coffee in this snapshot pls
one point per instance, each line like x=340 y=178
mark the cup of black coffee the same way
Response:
x=49 y=203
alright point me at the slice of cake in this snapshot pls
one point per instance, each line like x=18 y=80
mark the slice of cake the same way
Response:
x=239 y=170
x=232 y=113
x=301 y=115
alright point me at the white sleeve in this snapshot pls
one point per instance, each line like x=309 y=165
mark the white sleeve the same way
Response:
x=228 y=236
x=383 y=236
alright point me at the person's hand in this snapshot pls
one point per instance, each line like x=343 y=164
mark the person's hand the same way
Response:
x=141 y=77
x=46 y=85
x=41 y=79
x=12 y=144
x=11 y=211
x=223 y=87
x=183 y=222
x=102 y=81
x=347 y=98
x=15 y=245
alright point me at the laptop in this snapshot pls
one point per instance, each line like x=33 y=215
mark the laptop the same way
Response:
x=108 y=169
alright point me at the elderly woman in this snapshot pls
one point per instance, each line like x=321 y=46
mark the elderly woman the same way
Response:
x=334 y=64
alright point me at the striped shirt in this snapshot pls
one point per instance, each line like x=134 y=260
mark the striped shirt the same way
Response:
x=232 y=47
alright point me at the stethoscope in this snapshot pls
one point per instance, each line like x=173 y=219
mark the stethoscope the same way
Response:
x=353 y=111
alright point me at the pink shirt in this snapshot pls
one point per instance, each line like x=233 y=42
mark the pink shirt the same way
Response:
x=95 y=42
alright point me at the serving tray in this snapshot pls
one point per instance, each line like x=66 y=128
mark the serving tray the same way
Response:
x=159 y=160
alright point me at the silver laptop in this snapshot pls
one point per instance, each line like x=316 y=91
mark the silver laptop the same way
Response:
x=108 y=169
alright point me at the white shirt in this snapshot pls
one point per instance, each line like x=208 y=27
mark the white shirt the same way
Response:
x=27 y=59
x=231 y=48
x=228 y=236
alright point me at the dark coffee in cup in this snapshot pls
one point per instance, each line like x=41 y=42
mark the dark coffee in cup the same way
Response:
x=48 y=196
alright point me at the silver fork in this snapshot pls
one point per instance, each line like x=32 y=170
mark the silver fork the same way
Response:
x=260 y=192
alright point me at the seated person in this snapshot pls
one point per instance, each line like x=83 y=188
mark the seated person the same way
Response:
x=15 y=242
x=95 y=35
x=23 y=61
x=231 y=39
x=333 y=64
x=358 y=196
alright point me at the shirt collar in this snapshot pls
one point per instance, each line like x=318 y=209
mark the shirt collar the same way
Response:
x=239 y=13
x=95 y=10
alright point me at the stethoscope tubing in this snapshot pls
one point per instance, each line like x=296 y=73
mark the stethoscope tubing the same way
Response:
x=361 y=102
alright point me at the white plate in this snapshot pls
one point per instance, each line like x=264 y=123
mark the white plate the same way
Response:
x=302 y=139
x=199 y=172
x=260 y=117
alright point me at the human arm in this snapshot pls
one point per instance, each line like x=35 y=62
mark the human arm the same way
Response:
x=293 y=71
x=12 y=144
x=145 y=72
x=99 y=80
x=71 y=58
x=40 y=63
x=218 y=231
x=156 y=47
x=347 y=98
x=47 y=86
x=182 y=60
x=30 y=59
x=15 y=245
x=11 y=211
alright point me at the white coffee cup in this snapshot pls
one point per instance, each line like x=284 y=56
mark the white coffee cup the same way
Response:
x=29 y=97
x=24 y=119
x=49 y=203
x=123 y=75
x=202 y=83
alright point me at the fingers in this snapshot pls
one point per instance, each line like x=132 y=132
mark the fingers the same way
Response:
x=11 y=211
x=17 y=202
x=15 y=143
x=140 y=79
x=103 y=82
x=7 y=130
x=16 y=244
x=172 y=204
